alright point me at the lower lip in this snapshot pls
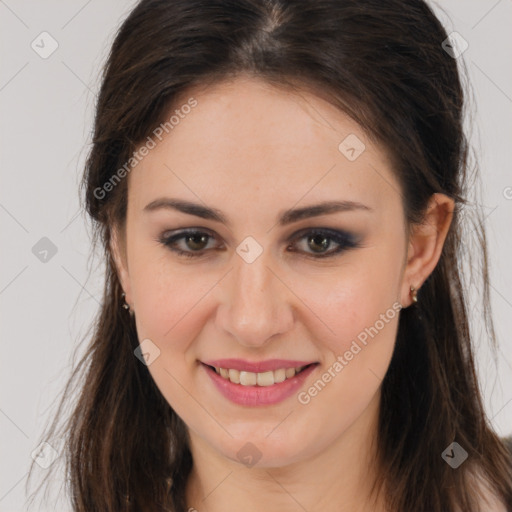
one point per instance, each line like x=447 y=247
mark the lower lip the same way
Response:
x=259 y=395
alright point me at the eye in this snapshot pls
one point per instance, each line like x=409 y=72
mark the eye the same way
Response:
x=194 y=242
x=319 y=240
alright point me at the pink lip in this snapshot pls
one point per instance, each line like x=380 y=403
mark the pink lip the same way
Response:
x=258 y=366
x=258 y=395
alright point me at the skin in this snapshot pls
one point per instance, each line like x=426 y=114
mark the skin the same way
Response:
x=251 y=151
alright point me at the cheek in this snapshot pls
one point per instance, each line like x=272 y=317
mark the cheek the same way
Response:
x=349 y=302
x=363 y=313
x=170 y=312
x=174 y=300
x=166 y=293
x=168 y=303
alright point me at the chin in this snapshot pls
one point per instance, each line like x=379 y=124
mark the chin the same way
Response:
x=261 y=451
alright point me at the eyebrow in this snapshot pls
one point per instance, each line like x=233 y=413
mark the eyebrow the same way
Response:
x=286 y=217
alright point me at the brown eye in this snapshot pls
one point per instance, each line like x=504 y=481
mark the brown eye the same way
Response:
x=197 y=242
x=194 y=243
x=191 y=243
x=320 y=242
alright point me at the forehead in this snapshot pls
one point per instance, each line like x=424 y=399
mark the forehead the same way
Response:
x=246 y=113
x=246 y=138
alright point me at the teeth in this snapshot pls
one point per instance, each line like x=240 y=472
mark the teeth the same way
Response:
x=248 y=378
x=261 y=379
x=234 y=376
x=279 y=375
x=265 y=378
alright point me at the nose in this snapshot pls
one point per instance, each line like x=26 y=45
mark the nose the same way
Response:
x=255 y=304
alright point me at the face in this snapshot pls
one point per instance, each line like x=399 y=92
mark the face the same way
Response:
x=265 y=277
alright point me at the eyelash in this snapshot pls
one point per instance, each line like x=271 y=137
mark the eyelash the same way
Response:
x=343 y=239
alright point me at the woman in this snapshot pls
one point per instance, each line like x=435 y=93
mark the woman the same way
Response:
x=278 y=187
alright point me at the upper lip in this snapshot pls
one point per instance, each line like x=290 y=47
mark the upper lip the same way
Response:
x=256 y=366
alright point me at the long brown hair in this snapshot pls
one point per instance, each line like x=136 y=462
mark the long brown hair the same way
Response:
x=383 y=64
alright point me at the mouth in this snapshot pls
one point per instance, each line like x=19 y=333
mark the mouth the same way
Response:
x=268 y=378
x=261 y=388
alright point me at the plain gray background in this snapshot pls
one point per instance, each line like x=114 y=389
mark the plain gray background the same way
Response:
x=46 y=114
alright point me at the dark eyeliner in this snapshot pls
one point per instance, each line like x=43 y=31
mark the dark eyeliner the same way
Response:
x=343 y=239
x=168 y=241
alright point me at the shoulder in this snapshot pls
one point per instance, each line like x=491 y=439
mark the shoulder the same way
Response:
x=489 y=501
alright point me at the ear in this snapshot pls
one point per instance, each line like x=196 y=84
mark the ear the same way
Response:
x=426 y=242
x=118 y=250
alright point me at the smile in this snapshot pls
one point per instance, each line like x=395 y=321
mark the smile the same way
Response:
x=258 y=388
x=269 y=378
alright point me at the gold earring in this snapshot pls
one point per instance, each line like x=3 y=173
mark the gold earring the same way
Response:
x=126 y=305
x=414 y=294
